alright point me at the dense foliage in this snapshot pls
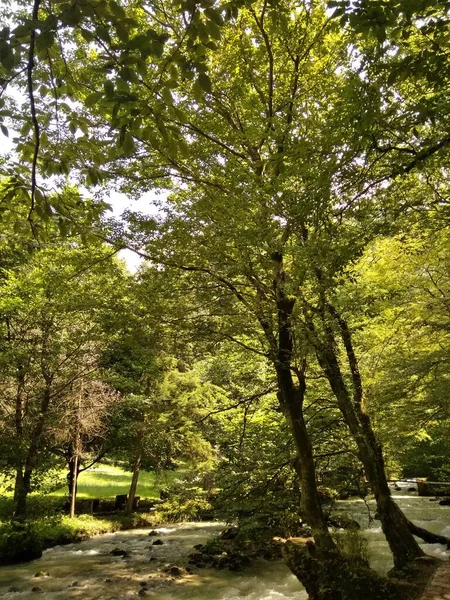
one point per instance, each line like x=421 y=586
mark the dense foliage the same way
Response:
x=291 y=311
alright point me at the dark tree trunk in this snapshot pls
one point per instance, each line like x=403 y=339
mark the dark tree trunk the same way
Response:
x=292 y=404
x=21 y=491
x=394 y=523
x=20 y=495
x=333 y=577
x=73 y=484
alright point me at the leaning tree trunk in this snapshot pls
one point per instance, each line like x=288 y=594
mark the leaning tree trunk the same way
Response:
x=394 y=523
x=325 y=573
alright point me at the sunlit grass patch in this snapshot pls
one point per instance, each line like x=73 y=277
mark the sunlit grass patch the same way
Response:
x=102 y=481
x=106 y=481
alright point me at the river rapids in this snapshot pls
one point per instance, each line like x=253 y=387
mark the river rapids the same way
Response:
x=88 y=571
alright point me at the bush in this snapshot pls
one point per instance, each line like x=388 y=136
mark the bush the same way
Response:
x=19 y=542
x=353 y=546
x=180 y=508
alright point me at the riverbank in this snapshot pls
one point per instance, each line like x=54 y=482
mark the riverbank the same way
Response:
x=22 y=542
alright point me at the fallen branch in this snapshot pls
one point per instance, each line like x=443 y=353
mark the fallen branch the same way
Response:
x=427 y=536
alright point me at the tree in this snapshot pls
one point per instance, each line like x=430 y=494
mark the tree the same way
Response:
x=403 y=282
x=154 y=432
x=51 y=340
x=81 y=435
x=281 y=182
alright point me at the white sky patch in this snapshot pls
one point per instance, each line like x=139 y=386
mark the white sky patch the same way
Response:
x=145 y=205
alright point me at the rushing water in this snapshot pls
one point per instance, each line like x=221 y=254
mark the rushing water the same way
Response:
x=87 y=571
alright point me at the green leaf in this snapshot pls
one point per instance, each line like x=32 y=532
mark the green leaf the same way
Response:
x=45 y=40
x=4 y=130
x=197 y=91
x=7 y=58
x=117 y=10
x=93 y=98
x=39 y=196
x=183 y=148
x=109 y=88
x=128 y=144
x=122 y=32
x=213 y=30
x=167 y=96
x=213 y=14
x=87 y=35
x=205 y=83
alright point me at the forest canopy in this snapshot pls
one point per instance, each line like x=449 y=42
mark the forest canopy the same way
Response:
x=288 y=327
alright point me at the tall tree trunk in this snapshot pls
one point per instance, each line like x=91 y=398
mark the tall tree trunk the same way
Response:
x=292 y=404
x=20 y=495
x=319 y=565
x=74 y=453
x=291 y=398
x=394 y=523
x=134 y=482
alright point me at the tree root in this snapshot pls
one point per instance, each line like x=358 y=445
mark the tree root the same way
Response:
x=427 y=536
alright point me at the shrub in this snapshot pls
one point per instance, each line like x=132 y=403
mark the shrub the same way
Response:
x=19 y=542
x=353 y=546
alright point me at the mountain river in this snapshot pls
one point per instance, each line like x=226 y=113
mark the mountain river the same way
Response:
x=87 y=571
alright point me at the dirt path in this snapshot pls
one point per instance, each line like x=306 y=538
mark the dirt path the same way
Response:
x=439 y=586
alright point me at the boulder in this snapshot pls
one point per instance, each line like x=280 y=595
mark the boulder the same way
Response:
x=158 y=543
x=174 y=571
x=119 y=552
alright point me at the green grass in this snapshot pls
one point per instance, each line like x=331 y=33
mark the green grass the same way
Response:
x=102 y=481
x=106 y=481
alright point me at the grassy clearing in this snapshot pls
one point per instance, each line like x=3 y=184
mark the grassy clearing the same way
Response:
x=102 y=481
x=106 y=481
